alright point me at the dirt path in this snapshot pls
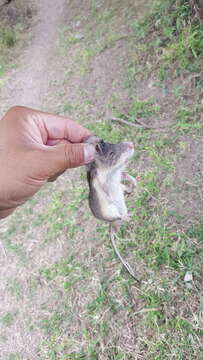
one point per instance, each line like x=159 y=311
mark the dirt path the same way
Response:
x=27 y=85
x=29 y=82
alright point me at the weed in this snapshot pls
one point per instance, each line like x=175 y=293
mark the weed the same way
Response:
x=187 y=119
x=53 y=324
x=64 y=269
x=163 y=72
x=98 y=303
x=177 y=32
x=15 y=287
x=140 y=108
x=8 y=319
x=178 y=91
x=196 y=232
x=16 y=249
x=132 y=71
x=172 y=16
x=140 y=28
x=189 y=46
x=14 y=356
x=56 y=218
x=68 y=108
x=106 y=131
x=8 y=38
x=74 y=356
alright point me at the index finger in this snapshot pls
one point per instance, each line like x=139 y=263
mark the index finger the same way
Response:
x=59 y=127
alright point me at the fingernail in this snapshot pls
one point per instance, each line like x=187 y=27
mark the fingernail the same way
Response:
x=89 y=152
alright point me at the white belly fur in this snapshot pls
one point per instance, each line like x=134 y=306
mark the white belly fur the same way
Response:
x=112 y=203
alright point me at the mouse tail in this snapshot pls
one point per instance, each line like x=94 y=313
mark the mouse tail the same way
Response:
x=112 y=235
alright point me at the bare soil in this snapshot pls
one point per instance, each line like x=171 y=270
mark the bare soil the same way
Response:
x=28 y=83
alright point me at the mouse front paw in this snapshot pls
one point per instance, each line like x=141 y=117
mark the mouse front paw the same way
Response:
x=127 y=190
x=130 y=178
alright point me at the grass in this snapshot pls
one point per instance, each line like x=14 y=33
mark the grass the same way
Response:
x=11 y=34
x=119 y=320
x=15 y=288
x=187 y=118
x=8 y=319
x=14 y=356
x=8 y=39
x=177 y=32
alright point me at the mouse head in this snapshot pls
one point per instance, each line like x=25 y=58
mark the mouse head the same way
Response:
x=110 y=155
x=113 y=155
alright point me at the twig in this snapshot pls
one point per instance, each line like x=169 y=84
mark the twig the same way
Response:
x=139 y=125
x=147 y=310
x=127 y=122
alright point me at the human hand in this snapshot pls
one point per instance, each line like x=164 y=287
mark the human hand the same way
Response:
x=36 y=147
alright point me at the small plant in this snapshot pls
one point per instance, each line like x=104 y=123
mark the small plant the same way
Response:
x=187 y=119
x=184 y=115
x=141 y=108
x=162 y=73
x=175 y=30
x=14 y=356
x=188 y=48
x=140 y=28
x=8 y=319
x=8 y=37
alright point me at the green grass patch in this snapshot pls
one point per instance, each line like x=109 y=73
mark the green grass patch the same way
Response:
x=187 y=118
x=15 y=287
x=9 y=37
x=63 y=269
x=60 y=216
x=14 y=356
x=140 y=108
x=196 y=232
x=53 y=324
x=106 y=131
x=8 y=319
x=174 y=341
x=171 y=26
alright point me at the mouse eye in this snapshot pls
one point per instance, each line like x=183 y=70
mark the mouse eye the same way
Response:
x=100 y=147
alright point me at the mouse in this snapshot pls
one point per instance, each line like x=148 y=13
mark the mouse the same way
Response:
x=106 y=190
x=105 y=175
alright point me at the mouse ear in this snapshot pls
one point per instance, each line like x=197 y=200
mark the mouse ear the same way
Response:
x=93 y=140
x=98 y=148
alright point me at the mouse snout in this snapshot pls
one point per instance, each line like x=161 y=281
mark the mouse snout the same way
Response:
x=130 y=145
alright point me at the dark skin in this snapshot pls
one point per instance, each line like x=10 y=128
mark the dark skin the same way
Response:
x=36 y=147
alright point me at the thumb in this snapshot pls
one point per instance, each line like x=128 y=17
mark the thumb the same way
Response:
x=56 y=159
